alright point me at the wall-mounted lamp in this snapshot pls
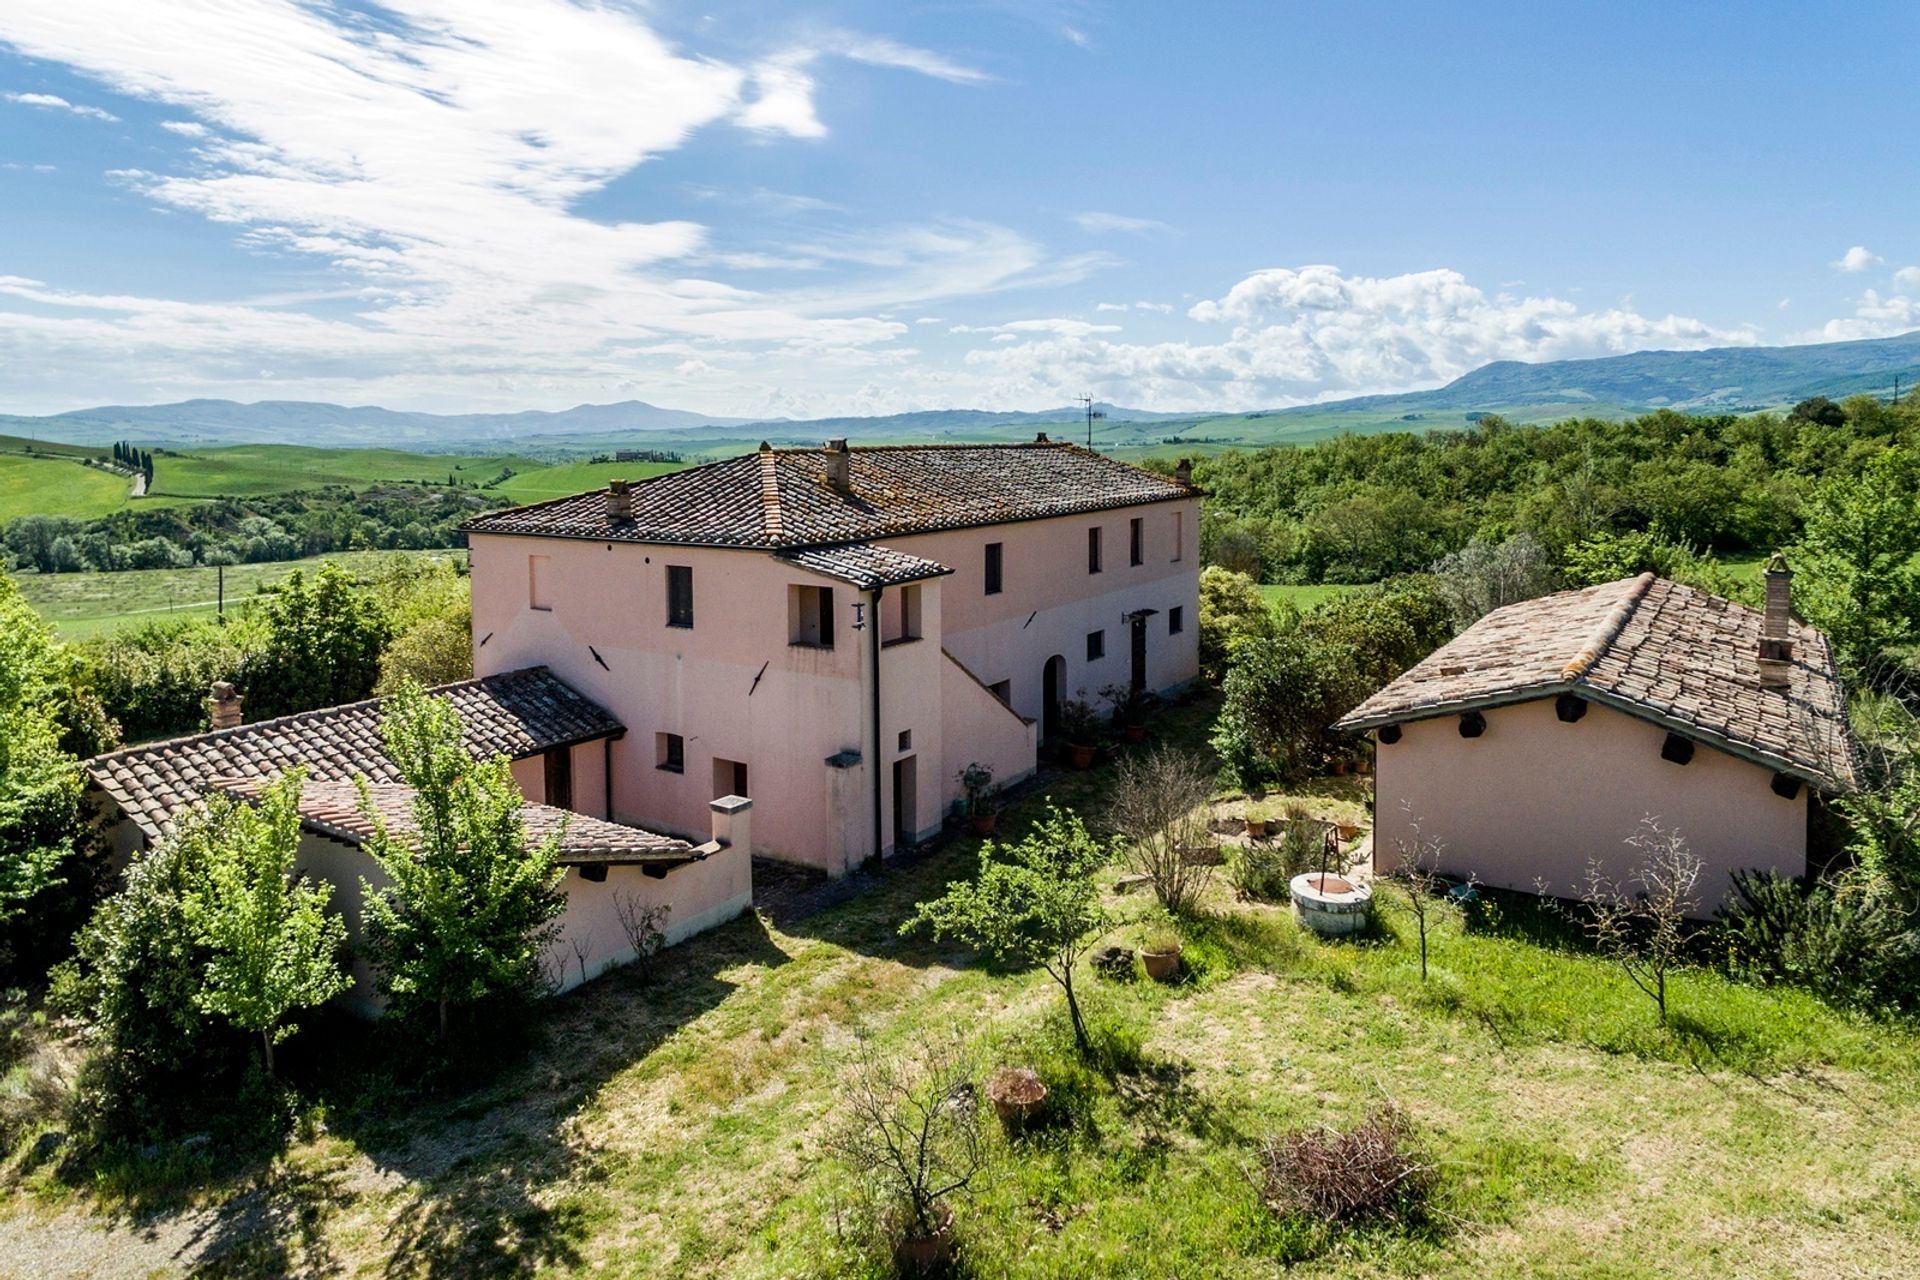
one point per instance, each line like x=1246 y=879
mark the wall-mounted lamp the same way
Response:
x=859 y=615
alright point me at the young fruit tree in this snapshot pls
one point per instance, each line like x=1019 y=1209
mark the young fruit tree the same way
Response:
x=470 y=906
x=1641 y=924
x=273 y=947
x=1421 y=882
x=1035 y=902
x=1159 y=805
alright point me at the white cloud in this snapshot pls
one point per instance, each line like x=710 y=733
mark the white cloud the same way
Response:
x=1063 y=327
x=929 y=320
x=185 y=128
x=1859 y=258
x=1100 y=223
x=879 y=51
x=1311 y=333
x=1873 y=317
x=435 y=164
x=56 y=103
x=1907 y=278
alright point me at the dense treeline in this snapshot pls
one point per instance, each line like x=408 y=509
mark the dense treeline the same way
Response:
x=1363 y=508
x=284 y=526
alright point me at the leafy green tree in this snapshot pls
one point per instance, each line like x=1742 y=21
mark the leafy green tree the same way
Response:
x=323 y=642
x=1036 y=902
x=1282 y=693
x=1856 y=575
x=469 y=907
x=273 y=947
x=39 y=782
x=1232 y=611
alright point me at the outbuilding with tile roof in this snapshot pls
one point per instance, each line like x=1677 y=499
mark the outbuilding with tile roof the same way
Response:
x=1539 y=738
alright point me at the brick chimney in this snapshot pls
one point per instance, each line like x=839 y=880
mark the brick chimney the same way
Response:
x=839 y=466
x=1184 y=471
x=1776 y=626
x=619 y=501
x=224 y=706
x=1041 y=438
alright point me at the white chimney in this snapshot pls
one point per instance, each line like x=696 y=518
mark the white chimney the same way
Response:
x=1776 y=626
x=619 y=501
x=224 y=706
x=839 y=466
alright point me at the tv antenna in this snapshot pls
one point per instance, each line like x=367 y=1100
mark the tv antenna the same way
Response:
x=1092 y=413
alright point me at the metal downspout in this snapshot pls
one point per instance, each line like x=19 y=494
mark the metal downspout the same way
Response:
x=873 y=648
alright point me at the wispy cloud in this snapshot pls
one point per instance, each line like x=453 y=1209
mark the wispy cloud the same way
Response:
x=878 y=51
x=1100 y=223
x=54 y=102
x=1857 y=259
x=1874 y=316
x=185 y=128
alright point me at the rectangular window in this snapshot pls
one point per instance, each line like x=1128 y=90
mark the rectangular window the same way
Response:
x=559 y=780
x=539 y=570
x=903 y=616
x=729 y=778
x=993 y=568
x=1093 y=550
x=679 y=595
x=1136 y=541
x=810 y=617
x=1096 y=645
x=1176 y=620
x=1003 y=690
x=906 y=740
x=1179 y=537
x=670 y=752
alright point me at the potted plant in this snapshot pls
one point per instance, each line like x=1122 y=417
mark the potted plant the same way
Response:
x=1257 y=819
x=1131 y=707
x=1016 y=1094
x=1080 y=726
x=1160 y=953
x=979 y=810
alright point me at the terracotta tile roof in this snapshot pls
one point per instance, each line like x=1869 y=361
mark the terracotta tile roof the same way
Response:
x=866 y=565
x=515 y=713
x=332 y=808
x=1682 y=658
x=780 y=498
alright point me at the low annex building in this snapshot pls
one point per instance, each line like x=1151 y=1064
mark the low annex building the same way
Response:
x=1541 y=736
x=546 y=728
x=838 y=632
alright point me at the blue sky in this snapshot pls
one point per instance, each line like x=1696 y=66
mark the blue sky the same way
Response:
x=755 y=208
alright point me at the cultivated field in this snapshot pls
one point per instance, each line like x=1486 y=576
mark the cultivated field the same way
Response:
x=84 y=604
x=679 y=1127
x=538 y=484
x=52 y=485
x=254 y=470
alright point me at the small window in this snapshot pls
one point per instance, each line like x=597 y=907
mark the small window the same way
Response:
x=559 y=780
x=810 y=617
x=539 y=572
x=903 y=616
x=1096 y=645
x=906 y=740
x=679 y=595
x=1093 y=550
x=1176 y=620
x=670 y=750
x=1003 y=690
x=1179 y=537
x=1136 y=541
x=993 y=568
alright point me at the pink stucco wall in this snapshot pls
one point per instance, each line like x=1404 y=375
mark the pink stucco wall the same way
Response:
x=735 y=689
x=1532 y=799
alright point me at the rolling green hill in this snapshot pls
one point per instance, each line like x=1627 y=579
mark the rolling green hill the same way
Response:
x=538 y=484
x=253 y=470
x=52 y=485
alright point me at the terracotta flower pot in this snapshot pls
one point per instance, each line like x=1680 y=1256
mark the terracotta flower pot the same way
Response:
x=1162 y=966
x=1016 y=1094
x=1257 y=828
x=982 y=824
x=917 y=1255
x=1135 y=732
x=1080 y=756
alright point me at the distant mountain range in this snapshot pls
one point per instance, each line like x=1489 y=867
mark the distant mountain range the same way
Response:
x=1722 y=378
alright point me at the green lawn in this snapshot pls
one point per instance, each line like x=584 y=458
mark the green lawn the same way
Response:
x=46 y=485
x=680 y=1128
x=253 y=470
x=85 y=604
x=566 y=479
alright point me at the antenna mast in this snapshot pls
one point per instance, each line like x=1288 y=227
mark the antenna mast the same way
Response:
x=1092 y=413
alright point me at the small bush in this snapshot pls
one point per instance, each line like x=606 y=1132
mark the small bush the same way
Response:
x=1259 y=872
x=1368 y=1173
x=1846 y=940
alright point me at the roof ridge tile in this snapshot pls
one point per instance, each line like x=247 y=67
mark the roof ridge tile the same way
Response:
x=1601 y=638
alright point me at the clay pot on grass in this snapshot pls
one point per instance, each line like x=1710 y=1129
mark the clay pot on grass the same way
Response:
x=922 y=1255
x=1134 y=732
x=1081 y=757
x=1016 y=1094
x=1161 y=954
x=982 y=824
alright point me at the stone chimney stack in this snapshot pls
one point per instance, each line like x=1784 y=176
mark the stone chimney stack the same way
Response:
x=619 y=501
x=839 y=466
x=224 y=706
x=1184 y=471
x=1776 y=626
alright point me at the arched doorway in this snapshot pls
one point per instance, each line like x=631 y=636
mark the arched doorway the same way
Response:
x=1053 y=679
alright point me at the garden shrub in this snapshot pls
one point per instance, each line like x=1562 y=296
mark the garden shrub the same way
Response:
x=1371 y=1172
